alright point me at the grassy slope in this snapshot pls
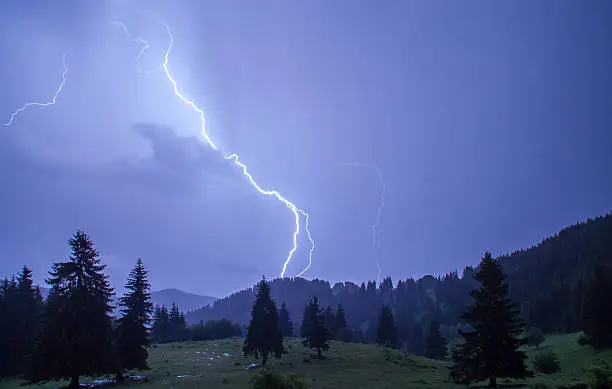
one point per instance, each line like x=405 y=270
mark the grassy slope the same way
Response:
x=575 y=359
x=347 y=366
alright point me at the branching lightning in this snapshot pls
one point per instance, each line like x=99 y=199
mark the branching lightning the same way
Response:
x=381 y=205
x=50 y=102
x=145 y=46
x=297 y=212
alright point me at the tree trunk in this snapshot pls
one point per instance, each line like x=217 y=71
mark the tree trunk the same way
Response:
x=264 y=357
x=74 y=382
x=492 y=382
x=319 y=353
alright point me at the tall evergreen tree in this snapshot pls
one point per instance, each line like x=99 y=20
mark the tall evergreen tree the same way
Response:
x=597 y=309
x=306 y=321
x=76 y=338
x=417 y=341
x=316 y=332
x=284 y=321
x=132 y=330
x=435 y=344
x=160 y=331
x=27 y=310
x=8 y=326
x=263 y=334
x=491 y=348
x=177 y=325
x=342 y=332
x=386 y=334
x=330 y=320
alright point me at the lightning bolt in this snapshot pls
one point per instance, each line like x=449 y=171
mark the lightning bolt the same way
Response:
x=144 y=47
x=297 y=212
x=35 y=104
x=381 y=205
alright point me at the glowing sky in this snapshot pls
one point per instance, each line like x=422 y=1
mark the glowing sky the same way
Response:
x=491 y=125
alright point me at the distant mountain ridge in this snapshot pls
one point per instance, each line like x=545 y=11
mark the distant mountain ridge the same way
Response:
x=185 y=301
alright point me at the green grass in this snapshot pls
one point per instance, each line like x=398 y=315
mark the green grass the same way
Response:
x=575 y=360
x=346 y=366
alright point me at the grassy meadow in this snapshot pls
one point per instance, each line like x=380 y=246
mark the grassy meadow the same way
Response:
x=219 y=364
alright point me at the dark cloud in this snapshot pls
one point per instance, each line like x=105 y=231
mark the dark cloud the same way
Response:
x=170 y=207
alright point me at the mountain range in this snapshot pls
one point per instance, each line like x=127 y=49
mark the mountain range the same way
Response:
x=184 y=300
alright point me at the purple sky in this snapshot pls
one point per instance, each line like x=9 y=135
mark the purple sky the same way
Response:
x=491 y=122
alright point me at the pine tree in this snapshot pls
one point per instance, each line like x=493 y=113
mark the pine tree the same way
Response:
x=316 y=332
x=386 y=334
x=27 y=310
x=417 y=342
x=342 y=333
x=76 y=338
x=263 y=334
x=160 y=330
x=306 y=321
x=330 y=320
x=8 y=326
x=435 y=345
x=597 y=308
x=177 y=325
x=284 y=321
x=491 y=349
x=132 y=330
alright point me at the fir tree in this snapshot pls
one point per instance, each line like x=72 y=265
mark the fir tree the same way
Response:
x=417 y=342
x=330 y=320
x=160 y=329
x=177 y=325
x=386 y=334
x=132 y=330
x=491 y=348
x=597 y=308
x=316 y=332
x=264 y=336
x=8 y=326
x=306 y=321
x=76 y=338
x=27 y=310
x=435 y=344
x=284 y=321
x=342 y=332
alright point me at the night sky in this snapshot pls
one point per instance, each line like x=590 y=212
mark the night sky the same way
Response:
x=490 y=121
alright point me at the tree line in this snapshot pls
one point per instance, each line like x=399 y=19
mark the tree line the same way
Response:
x=490 y=342
x=269 y=326
x=171 y=326
x=551 y=282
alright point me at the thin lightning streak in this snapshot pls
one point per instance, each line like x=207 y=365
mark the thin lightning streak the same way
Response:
x=234 y=157
x=144 y=47
x=50 y=102
x=381 y=206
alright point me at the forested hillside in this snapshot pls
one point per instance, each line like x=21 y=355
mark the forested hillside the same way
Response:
x=550 y=276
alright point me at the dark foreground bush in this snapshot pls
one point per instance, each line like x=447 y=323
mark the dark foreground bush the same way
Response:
x=601 y=376
x=269 y=379
x=578 y=385
x=546 y=362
